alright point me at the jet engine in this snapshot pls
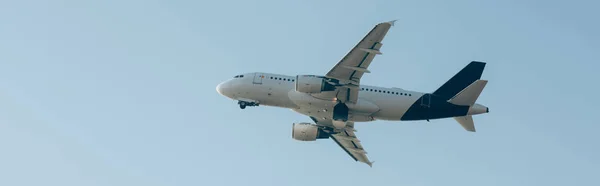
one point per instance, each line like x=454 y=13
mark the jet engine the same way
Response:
x=312 y=84
x=307 y=132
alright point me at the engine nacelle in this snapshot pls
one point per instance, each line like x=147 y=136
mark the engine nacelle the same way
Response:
x=312 y=84
x=307 y=132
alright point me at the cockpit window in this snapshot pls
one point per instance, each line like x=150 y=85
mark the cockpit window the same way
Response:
x=239 y=76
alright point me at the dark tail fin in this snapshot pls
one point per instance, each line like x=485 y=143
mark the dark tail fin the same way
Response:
x=471 y=73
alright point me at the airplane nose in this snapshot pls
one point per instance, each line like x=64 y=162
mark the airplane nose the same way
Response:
x=220 y=88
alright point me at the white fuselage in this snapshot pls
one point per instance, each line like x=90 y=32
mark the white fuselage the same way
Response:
x=336 y=100
x=374 y=103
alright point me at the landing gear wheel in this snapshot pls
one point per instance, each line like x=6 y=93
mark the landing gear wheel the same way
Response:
x=244 y=104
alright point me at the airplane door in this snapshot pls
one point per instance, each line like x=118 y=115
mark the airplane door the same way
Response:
x=258 y=77
x=426 y=100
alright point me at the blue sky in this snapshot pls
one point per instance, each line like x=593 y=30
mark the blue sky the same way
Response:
x=123 y=92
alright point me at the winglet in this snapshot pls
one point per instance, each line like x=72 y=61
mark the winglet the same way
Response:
x=392 y=22
x=371 y=163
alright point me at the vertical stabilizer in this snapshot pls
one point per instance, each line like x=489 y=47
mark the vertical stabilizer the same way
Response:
x=465 y=77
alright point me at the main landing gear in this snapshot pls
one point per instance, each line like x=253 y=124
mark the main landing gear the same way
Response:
x=244 y=104
x=340 y=115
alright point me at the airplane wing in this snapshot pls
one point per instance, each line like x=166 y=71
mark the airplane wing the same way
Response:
x=351 y=68
x=348 y=141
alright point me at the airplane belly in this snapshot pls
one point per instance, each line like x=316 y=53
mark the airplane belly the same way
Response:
x=311 y=106
x=307 y=101
x=363 y=106
x=360 y=117
x=323 y=109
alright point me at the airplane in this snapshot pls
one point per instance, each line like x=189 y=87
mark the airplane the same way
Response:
x=336 y=100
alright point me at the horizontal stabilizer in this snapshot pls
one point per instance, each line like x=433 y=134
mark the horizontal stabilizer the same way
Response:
x=466 y=122
x=469 y=95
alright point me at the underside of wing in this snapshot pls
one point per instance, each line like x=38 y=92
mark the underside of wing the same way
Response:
x=348 y=141
x=356 y=62
x=350 y=69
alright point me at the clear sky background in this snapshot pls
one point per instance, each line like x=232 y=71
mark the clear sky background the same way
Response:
x=123 y=92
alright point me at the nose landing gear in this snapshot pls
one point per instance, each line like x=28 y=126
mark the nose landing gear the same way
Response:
x=244 y=104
